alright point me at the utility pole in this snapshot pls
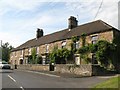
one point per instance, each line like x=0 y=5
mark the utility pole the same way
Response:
x=0 y=50
x=119 y=15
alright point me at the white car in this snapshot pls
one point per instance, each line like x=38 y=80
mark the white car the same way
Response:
x=4 y=65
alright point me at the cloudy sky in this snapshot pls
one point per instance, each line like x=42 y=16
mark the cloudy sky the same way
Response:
x=19 y=19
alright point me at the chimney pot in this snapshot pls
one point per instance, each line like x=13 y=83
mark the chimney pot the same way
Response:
x=39 y=33
x=72 y=22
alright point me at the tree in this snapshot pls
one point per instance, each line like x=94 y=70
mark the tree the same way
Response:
x=33 y=53
x=83 y=36
x=39 y=59
x=6 y=48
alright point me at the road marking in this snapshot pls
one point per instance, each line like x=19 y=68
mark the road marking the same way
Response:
x=44 y=74
x=12 y=78
x=22 y=88
x=15 y=81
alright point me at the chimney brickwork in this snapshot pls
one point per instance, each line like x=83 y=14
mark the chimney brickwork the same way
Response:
x=39 y=33
x=72 y=22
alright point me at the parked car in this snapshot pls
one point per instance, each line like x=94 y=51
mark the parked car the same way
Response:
x=4 y=65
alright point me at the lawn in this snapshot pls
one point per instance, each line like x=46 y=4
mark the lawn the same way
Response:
x=110 y=83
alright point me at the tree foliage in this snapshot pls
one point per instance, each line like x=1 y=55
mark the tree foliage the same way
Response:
x=59 y=56
x=34 y=58
x=39 y=59
x=84 y=53
x=83 y=36
x=6 y=48
x=103 y=50
x=75 y=38
x=73 y=44
x=33 y=53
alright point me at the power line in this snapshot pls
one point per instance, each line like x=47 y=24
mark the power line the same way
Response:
x=78 y=17
x=98 y=9
x=75 y=9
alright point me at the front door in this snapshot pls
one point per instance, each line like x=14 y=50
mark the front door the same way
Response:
x=21 y=61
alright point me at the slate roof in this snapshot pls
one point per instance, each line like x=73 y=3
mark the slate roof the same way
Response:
x=88 y=28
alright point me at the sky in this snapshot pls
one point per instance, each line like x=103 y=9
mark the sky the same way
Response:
x=19 y=19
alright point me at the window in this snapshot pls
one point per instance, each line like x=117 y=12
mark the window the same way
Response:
x=15 y=53
x=29 y=51
x=94 y=39
x=47 y=48
x=21 y=52
x=63 y=44
x=37 y=50
x=77 y=45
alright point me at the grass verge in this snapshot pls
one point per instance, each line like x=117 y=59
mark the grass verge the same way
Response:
x=113 y=83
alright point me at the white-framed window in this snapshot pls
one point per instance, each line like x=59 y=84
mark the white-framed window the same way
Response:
x=29 y=51
x=21 y=52
x=94 y=39
x=37 y=50
x=47 y=48
x=64 y=43
x=77 y=45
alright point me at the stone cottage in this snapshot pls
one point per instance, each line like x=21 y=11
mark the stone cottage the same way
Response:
x=44 y=44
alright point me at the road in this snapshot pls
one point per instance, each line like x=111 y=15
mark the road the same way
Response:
x=29 y=79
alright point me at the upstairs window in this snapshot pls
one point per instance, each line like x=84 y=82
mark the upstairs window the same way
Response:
x=29 y=51
x=15 y=53
x=37 y=50
x=64 y=43
x=77 y=45
x=47 y=48
x=94 y=39
x=21 y=52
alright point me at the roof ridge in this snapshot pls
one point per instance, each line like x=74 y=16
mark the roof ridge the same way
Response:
x=108 y=25
x=90 y=27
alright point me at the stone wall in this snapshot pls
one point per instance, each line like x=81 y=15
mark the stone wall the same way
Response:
x=34 y=67
x=83 y=70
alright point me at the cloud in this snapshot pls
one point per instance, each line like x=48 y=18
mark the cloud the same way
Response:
x=20 y=4
x=19 y=19
x=86 y=10
x=109 y=13
x=8 y=37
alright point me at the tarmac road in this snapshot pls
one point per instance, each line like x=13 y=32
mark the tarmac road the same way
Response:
x=29 y=79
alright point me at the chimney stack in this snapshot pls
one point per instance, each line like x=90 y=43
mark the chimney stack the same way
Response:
x=39 y=33
x=72 y=22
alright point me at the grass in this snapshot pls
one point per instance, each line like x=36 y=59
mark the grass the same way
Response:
x=110 y=83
